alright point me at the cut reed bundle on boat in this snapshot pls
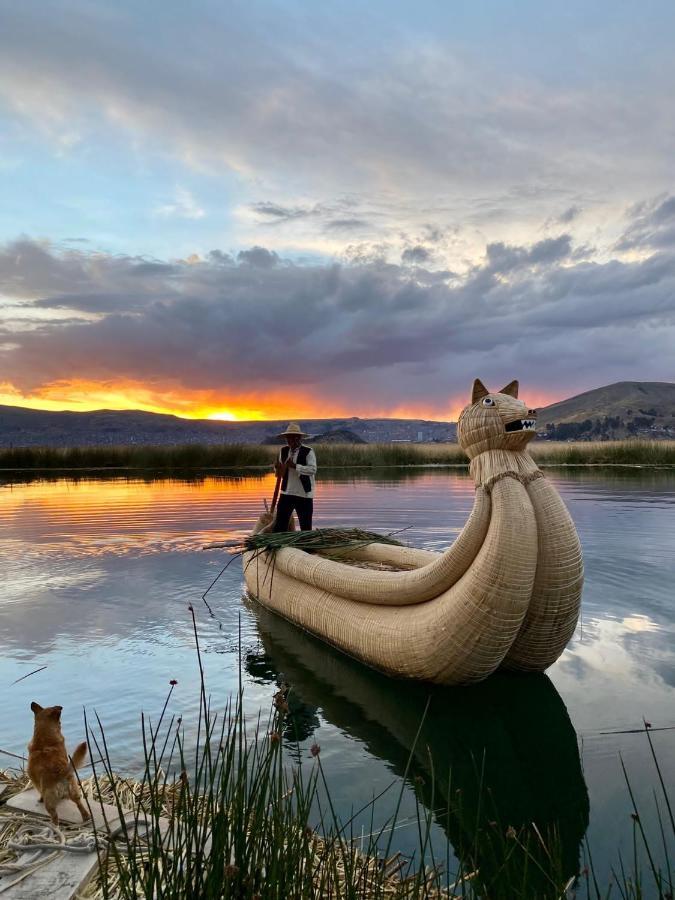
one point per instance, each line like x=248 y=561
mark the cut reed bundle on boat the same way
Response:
x=320 y=540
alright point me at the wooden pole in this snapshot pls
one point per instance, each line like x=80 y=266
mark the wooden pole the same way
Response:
x=275 y=495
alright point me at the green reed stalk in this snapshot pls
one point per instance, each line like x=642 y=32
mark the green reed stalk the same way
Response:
x=229 y=816
x=203 y=457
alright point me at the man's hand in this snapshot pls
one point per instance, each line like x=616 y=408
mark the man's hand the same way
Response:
x=290 y=464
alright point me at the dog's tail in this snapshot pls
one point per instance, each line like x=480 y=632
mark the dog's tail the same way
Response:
x=79 y=755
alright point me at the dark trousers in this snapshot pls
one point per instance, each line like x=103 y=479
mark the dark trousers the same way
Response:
x=303 y=506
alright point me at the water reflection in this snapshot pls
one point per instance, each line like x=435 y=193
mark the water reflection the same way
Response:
x=620 y=476
x=499 y=754
x=97 y=575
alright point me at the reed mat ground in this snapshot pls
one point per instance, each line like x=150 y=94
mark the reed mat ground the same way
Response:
x=249 y=456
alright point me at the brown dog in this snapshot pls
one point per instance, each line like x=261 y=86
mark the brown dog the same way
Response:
x=49 y=767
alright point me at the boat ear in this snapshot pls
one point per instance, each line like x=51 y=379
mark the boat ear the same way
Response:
x=479 y=390
x=511 y=389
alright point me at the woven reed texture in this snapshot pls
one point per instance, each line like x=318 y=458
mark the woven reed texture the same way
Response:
x=460 y=636
x=400 y=557
x=556 y=596
x=507 y=592
x=392 y=588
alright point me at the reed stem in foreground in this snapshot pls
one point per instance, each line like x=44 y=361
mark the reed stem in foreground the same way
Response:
x=229 y=815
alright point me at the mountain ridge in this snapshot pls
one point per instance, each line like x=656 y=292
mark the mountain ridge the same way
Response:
x=21 y=426
x=617 y=410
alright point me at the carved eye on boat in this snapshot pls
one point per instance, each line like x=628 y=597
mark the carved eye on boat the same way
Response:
x=488 y=401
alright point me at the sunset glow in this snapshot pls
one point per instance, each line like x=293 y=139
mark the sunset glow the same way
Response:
x=222 y=417
x=314 y=242
x=79 y=396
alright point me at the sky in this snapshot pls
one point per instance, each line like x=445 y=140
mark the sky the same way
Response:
x=260 y=210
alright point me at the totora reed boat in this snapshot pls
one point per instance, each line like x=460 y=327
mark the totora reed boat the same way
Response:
x=505 y=594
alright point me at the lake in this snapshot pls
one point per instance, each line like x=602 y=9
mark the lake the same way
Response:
x=98 y=575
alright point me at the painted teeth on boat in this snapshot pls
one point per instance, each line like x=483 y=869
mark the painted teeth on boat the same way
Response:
x=522 y=425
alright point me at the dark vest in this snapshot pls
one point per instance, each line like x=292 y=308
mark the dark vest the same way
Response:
x=305 y=480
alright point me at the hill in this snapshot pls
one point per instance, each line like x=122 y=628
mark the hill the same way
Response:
x=625 y=409
x=643 y=409
x=338 y=436
x=21 y=427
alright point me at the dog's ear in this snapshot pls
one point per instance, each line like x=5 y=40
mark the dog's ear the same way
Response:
x=511 y=389
x=479 y=390
x=36 y=707
x=55 y=712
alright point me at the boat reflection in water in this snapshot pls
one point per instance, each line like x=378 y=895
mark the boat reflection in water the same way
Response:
x=507 y=776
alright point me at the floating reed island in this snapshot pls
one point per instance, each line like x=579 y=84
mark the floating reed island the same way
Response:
x=505 y=594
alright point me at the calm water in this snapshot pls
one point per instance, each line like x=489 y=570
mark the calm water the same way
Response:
x=97 y=576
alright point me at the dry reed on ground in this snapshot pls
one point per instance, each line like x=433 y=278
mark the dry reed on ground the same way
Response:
x=335 y=864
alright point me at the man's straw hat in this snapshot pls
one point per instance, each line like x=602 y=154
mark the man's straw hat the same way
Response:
x=293 y=428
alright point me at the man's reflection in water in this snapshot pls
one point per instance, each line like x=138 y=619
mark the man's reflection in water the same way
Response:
x=301 y=720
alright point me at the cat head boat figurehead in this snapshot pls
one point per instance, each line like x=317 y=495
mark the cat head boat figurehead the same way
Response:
x=494 y=431
x=495 y=420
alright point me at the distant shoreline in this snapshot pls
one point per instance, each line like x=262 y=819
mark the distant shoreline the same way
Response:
x=200 y=457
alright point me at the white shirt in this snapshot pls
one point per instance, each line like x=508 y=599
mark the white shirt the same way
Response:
x=294 y=486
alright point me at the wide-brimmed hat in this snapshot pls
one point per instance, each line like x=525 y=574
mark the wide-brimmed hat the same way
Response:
x=293 y=428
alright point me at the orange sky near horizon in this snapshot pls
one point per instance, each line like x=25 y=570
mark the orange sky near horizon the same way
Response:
x=226 y=405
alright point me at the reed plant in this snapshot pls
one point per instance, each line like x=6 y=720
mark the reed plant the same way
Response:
x=230 y=818
x=385 y=455
x=229 y=813
x=547 y=453
x=604 y=453
x=242 y=456
x=157 y=458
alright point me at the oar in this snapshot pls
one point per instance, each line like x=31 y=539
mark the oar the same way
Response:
x=275 y=495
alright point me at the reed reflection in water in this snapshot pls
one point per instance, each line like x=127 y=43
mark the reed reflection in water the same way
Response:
x=97 y=576
x=488 y=758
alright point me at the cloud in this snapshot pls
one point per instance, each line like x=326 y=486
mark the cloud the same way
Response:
x=570 y=214
x=278 y=213
x=652 y=226
x=352 y=224
x=412 y=139
x=410 y=117
x=334 y=216
x=412 y=335
x=504 y=258
x=416 y=255
x=258 y=257
x=184 y=206
x=86 y=282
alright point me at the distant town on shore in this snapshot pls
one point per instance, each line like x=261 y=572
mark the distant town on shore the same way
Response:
x=622 y=410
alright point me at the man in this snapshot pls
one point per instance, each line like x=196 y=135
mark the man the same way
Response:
x=296 y=466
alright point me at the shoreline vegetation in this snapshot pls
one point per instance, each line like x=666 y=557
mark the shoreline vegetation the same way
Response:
x=252 y=456
x=243 y=810
x=239 y=816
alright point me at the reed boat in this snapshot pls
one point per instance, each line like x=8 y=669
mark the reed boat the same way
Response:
x=505 y=594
